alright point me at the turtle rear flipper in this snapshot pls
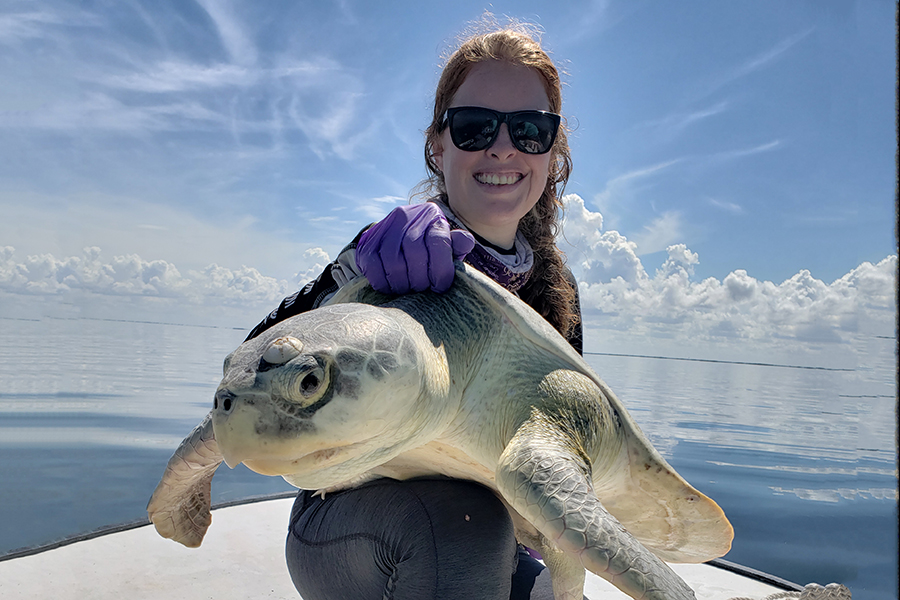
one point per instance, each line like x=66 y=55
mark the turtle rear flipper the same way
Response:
x=179 y=506
x=544 y=476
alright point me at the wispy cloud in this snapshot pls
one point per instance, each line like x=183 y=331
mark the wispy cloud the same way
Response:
x=374 y=209
x=743 y=152
x=754 y=63
x=592 y=18
x=16 y=27
x=761 y=60
x=347 y=12
x=621 y=185
x=319 y=98
x=659 y=234
x=235 y=40
x=726 y=206
x=177 y=76
x=20 y=26
x=147 y=85
x=389 y=199
x=675 y=123
x=641 y=173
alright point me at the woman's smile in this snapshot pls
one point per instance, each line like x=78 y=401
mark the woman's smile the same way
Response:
x=499 y=179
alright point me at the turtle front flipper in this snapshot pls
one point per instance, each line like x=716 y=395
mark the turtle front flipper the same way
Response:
x=545 y=475
x=179 y=506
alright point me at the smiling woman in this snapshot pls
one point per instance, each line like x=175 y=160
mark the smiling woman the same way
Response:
x=498 y=160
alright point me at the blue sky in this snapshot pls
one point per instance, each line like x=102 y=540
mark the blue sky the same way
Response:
x=760 y=135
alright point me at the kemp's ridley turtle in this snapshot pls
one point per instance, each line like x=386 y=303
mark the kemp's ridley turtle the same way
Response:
x=471 y=384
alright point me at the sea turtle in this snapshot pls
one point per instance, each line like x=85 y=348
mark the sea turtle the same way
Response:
x=471 y=384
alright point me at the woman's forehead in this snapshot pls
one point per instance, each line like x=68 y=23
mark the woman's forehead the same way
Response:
x=502 y=86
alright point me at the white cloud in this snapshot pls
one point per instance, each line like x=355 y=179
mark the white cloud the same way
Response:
x=20 y=26
x=177 y=76
x=599 y=256
x=625 y=180
x=374 y=209
x=768 y=56
x=742 y=152
x=755 y=63
x=676 y=123
x=617 y=293
x=726 y=206
x=131 y=275
x=315 y=261
x=621 y=188
x=16 y=27
x=680 y=262
x=237 y=43
x=133 y=88
x=228 y=235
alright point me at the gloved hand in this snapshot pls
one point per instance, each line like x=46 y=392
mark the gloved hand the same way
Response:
x=412 y=249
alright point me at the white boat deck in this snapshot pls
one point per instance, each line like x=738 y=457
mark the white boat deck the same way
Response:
x=242 y=557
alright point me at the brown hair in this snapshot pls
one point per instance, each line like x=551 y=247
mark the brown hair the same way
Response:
x=549 y=290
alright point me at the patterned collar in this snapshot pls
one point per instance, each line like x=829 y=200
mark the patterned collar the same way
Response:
x=512 y=271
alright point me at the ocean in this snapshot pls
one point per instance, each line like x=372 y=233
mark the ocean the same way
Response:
x=802 y=460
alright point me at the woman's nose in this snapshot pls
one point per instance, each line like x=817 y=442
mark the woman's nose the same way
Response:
x=503 y=147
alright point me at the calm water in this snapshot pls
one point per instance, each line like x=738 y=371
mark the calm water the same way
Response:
x=802 y=461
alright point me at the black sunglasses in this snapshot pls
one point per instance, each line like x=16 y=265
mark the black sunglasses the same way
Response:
x=473 y=128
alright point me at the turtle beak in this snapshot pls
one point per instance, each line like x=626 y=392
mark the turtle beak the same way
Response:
x=233 y=453
x=228 y=421
x=232 y=461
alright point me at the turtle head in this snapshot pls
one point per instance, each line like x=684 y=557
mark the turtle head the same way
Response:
x=323 y=396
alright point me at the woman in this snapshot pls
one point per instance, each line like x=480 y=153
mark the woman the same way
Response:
x=498 y=161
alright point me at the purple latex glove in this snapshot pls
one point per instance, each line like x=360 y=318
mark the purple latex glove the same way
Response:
x=412 y=250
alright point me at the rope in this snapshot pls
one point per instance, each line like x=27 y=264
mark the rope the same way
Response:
x=812 y=591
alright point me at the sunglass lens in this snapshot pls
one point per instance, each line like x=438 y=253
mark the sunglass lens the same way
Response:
x=533 y=133
x=473 y=129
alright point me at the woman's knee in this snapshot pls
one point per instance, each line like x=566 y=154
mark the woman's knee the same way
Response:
x=462 y=512
x=449 y=536
x=465 y=532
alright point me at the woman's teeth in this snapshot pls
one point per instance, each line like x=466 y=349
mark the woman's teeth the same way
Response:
x=498 y=179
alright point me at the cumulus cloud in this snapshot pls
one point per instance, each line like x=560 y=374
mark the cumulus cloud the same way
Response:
x=597 y=255
x=315 y=261
x=618 y=293
x=132 y=276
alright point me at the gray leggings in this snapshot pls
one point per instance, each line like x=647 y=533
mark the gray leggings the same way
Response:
x=420 y=539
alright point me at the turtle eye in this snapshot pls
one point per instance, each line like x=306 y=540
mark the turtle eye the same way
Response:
x=309 y=384
x=303 y=382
